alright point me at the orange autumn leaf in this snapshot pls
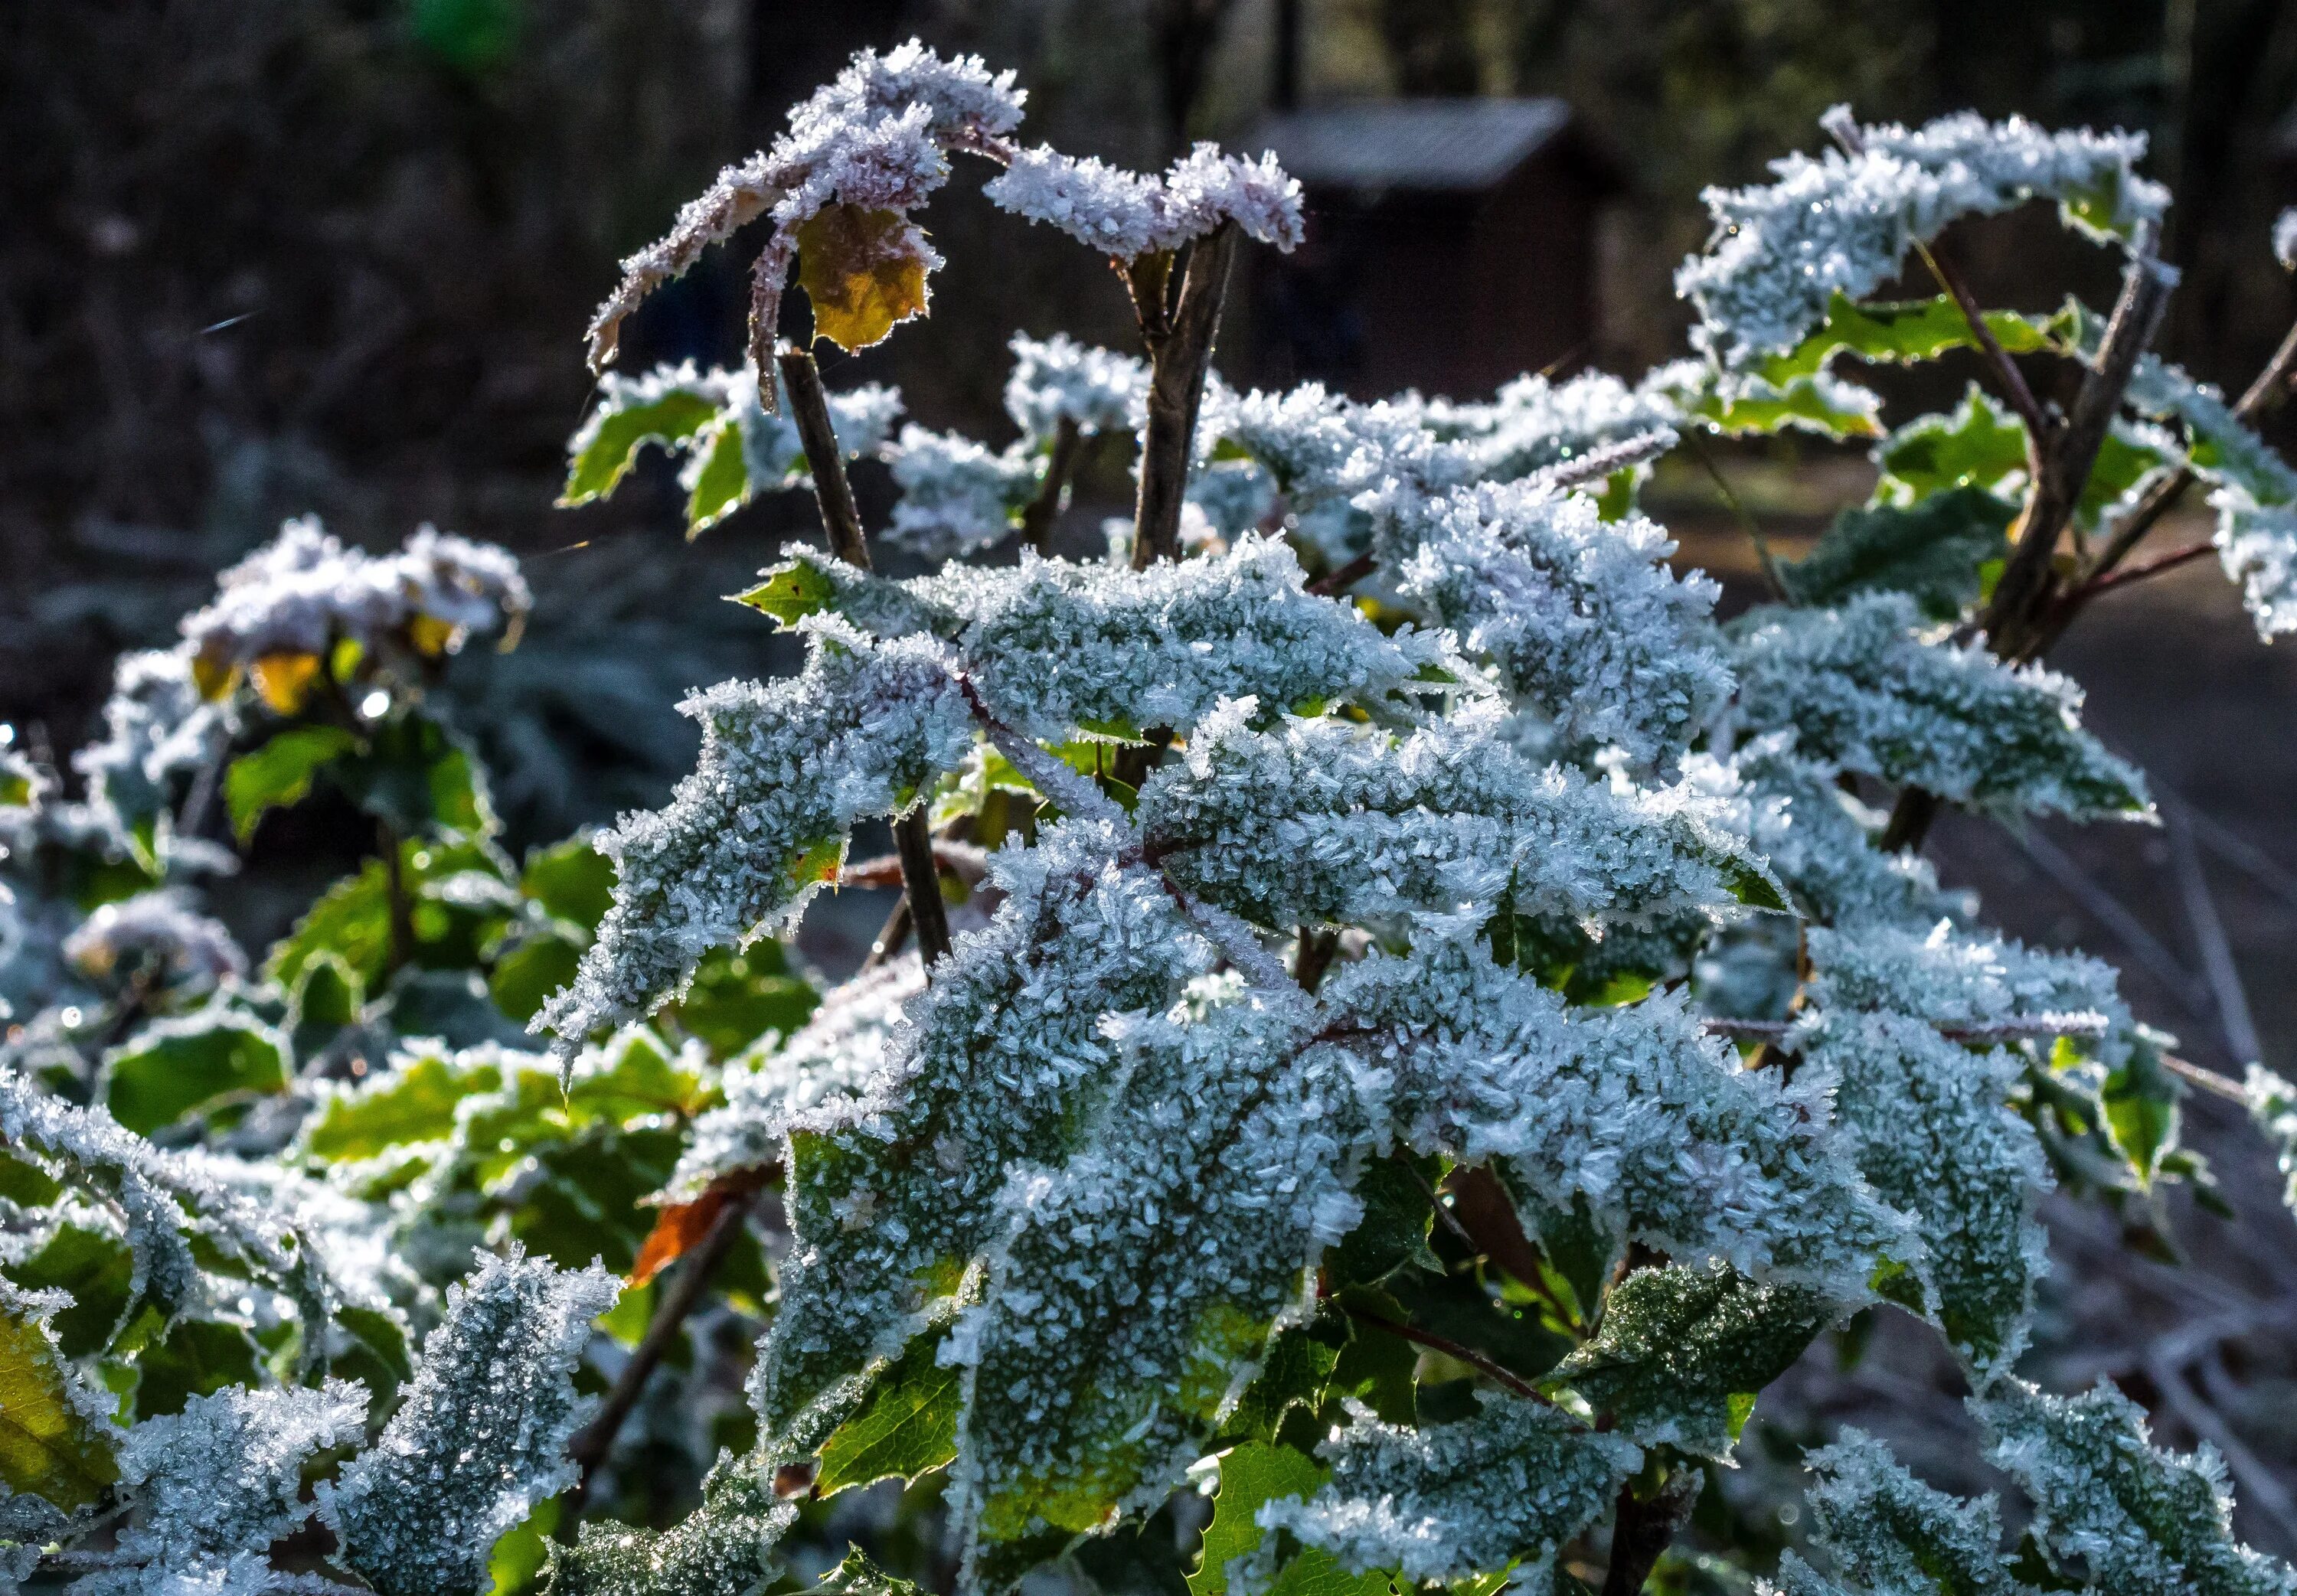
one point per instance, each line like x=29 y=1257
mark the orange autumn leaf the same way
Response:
x=683 y=1226
x=864 y=271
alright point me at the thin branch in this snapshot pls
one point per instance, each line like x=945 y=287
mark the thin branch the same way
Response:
x=1771 y=575
x=1597 y=463
x=2144 y=569
x=1180 y=353
x=825 y=458
x=1333 y=583
x=963 y=860
x=891 y=937
x=2040 y=427
x=2240 y=853
x=2217 y=964
x=2208 y=1080
x=1037 y=519
x=841 y=518
x=591 y=1445
x=1450 y=1349
x=2082 y=1023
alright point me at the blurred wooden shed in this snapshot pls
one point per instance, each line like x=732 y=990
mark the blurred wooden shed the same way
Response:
x=1451 y=245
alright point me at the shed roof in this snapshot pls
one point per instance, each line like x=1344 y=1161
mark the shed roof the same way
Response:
x=1439 y=144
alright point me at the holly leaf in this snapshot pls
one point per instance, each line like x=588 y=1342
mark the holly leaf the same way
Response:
x=1933 y=551
x=177 y=1065
x=716 y=479
x=279 y=774
x=97 y=1271
x=865 y=271
x=1250 y=1475
x=1900 y=333
x=1978 y=444
x=1680 y=1353
x=906 y=1427
x=791 y=592
x=602 y=453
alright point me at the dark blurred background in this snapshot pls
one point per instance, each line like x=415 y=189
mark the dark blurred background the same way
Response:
x=266 y=257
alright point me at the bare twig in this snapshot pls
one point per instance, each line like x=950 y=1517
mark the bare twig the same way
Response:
x=2109 y=911
x=1771 y=575
x=1450 y=1349
x=2079 y=1023
x=1333 y=583
x=1180 y=353
x=825 y=458
x=2040 y=427
x=591 y=1444
x=2140 y=571
x=2217 y=964
x=1037 y=519
x=2208 y=1080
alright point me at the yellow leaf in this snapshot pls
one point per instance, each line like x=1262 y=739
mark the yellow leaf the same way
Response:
x=213 y=677
x=433 y=636
x=864 y=271
x=49 y=1447
x=283 y=680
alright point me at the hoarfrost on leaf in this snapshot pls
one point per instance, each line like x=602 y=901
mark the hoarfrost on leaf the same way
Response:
x=1896 y=1537
x=480 y=1435
x=1508 y=1486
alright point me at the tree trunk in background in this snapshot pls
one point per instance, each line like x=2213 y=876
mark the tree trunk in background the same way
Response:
x=1182 y=36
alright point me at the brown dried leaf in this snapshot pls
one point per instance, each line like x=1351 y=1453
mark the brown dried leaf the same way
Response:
x=864 y=271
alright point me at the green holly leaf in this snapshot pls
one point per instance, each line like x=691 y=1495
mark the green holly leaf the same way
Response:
x=1900 y=333
x=1978 y=444
x=1679 y=1354
x=174 y=1066
x=717 y=478
x=96 y=1270
x=1932 y=550
x=790 y=593
x=906 y=1427
x=1250 y=1475
x=420 y=779
x=53 y=1443
x=279 y=774
x=737 y=997
x=603 y=452
x=571 y=881
x=412 y=1102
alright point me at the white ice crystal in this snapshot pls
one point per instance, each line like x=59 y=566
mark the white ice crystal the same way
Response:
x=1820 y=841
x=1134 y=1294
x=996 y=1063
x=1581 y=616
x=1057 y=379
x=874 y=138
x=1863 y=691
x=1632 y=1112
x=957 y=496
x=1310 y=820
x=2285 y=238
x=1130 y=214
x=785 y=770
x=770 y=1087
x=224 y=1476
x=2143 y=1522
x=1844 y=223
x=1896 y=1537
x=305 y=591
x=480 y=1434
x=2273 y=1105
x=1505 y=1488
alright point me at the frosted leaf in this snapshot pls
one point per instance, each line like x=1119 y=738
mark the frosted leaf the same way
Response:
x=835 y=1054
x=2285 y=238
x=157 y=726
x=480 y=1434
x=724 y=1547
x=1533 y=422
x=1581 y=616
x=1129 y=214
x=155 y=942
x=1508 y=1486
x=1133 y=1297
x=2256 y=489
x=2273 y=1105
x=1928 y=1121
x=304 y=591
x=1322 y=821
x=224 y=1476
x=1679 y=1354
x=1896 y=1537
x=2143 y=1522
x=874 y=138
x=1862 y=692
x=1052 y=644
x=1820 y=841
x=958 y=497
x=785 y=770
x=1057 y=379
x=1843 y=223
x=892 y=1194
x=1633 y=1112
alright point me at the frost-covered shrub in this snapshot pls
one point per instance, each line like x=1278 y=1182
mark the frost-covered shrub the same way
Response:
x=1412 y=1026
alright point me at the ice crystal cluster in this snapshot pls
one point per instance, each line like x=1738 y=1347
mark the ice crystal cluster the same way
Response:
x=1433 y=1024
